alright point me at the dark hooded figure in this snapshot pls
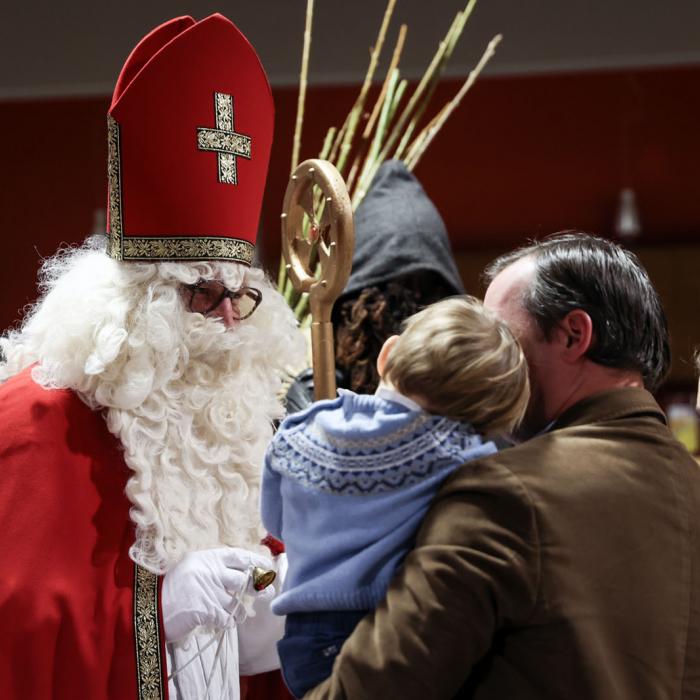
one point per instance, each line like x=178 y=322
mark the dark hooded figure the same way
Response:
x=402 y=262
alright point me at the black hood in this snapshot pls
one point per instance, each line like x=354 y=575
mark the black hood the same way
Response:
x=398 y=231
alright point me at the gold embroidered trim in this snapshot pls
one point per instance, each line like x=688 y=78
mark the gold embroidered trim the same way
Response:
x=149 y=674
x=224 y=140
x=114 y=179
x=176 y=248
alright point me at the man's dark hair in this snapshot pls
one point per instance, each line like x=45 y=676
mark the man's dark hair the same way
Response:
x=578 y=271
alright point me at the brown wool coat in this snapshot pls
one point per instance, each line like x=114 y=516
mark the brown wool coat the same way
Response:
x=566 y=567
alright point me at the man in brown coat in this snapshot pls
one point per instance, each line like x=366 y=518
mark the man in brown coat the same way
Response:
x=567 y=566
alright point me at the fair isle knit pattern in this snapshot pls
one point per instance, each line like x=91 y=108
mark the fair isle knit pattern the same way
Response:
x=365 y=466
x=345 y=486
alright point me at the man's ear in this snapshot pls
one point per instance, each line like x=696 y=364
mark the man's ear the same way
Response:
x=384 y=354
x=575 y=332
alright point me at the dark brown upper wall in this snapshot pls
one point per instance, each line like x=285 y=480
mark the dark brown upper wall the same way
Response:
x=527 y=156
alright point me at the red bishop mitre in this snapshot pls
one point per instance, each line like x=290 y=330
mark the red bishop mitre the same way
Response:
x=189 y=133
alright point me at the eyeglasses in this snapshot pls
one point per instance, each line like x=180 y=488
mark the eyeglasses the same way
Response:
x=206 y=295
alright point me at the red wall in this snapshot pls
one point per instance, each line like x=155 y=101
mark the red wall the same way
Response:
x=521 y=157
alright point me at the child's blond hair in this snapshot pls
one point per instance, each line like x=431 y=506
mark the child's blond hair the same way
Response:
x=461 y=361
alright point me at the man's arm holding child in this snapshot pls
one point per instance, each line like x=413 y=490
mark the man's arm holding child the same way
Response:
x=475 y=566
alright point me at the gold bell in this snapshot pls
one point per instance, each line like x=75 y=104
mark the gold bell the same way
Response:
x=262 y=578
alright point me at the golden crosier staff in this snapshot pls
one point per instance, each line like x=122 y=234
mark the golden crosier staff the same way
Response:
x=320 y=262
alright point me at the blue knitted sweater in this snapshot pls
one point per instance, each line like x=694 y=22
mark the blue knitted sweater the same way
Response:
x=345 y=486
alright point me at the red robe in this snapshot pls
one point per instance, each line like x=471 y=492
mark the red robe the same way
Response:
x=78 y=619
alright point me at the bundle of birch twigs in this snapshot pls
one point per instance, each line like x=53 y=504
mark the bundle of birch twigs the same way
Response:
x=393 y=127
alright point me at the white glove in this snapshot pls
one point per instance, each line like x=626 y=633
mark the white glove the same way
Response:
x=258 y=636
x=204 y=587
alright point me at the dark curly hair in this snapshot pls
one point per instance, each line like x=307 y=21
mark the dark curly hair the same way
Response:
x=364 y=322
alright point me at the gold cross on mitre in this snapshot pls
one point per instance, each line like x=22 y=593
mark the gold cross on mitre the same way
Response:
x=224 y=140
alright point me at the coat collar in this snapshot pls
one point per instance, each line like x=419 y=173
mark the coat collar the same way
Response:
x=609 y=405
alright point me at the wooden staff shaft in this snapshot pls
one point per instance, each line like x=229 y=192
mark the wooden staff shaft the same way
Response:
x=323 y=357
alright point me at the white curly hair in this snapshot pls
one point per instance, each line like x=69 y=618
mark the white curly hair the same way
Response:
x=192 y=402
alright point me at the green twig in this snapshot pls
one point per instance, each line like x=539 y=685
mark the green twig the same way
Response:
x=420 y=149
x=302 y=84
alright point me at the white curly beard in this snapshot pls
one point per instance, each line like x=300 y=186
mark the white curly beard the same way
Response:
x=191 y=402
x=196 y=446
